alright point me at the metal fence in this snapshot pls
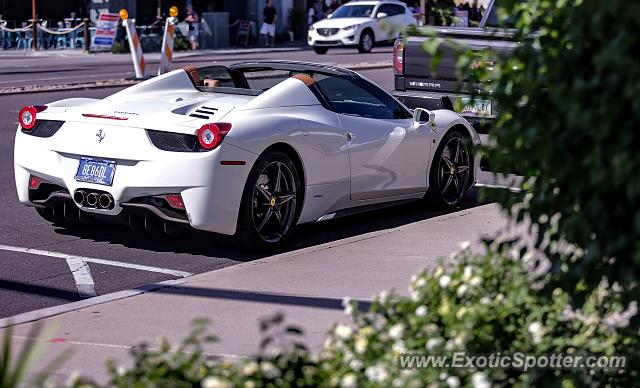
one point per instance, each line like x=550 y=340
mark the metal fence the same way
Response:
x=67 y=34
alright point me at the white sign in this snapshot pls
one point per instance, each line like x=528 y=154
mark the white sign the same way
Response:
x=106 y=28
x=463 y=17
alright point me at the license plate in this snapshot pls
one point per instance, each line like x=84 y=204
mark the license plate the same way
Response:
x=100 y=172
x=476 y=107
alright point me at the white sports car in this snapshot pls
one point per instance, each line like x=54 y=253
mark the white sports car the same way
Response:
x=248 y=150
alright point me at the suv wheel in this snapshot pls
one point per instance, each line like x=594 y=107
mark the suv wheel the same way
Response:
x=366 y=42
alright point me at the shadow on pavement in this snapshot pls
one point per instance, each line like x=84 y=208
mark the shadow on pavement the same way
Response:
x=261 y=297
x=208 y=244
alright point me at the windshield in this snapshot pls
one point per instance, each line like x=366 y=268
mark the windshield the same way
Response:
x=353 y=11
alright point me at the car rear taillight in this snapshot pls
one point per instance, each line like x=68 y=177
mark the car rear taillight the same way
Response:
x=210 y=135
x=27 y=116
x=398 y=57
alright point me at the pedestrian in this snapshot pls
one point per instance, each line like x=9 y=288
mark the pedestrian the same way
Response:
x=318 y=11
x=268 y=28
x=192 y=20
x=334 y=5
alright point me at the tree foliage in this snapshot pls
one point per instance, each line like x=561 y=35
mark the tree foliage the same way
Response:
x=568 y=113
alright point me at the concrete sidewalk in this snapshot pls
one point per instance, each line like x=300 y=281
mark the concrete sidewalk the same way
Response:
x=308 y=285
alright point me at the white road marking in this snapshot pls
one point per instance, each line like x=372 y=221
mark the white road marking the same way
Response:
x=65 y=256
x=82 y=276
x=116 y=346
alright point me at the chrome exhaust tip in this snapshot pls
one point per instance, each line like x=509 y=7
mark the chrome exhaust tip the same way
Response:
x=105 y=201
x=79 y=197
x=92 y=199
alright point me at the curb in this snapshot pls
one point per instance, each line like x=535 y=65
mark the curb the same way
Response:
x=113 y=83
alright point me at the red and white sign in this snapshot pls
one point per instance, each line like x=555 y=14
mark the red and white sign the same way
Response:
x=106 y=27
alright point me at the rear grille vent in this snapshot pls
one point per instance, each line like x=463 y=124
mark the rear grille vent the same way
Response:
x=204 y=112
x=44 y=128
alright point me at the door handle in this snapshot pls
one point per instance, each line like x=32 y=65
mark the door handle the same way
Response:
x=350 y=136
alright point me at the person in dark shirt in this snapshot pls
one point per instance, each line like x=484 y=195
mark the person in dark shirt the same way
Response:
x=268 y=28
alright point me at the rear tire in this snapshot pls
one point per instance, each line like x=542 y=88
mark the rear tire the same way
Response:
x=320 y=50
x=366 y=42
x=270 y=203
x=450 y=172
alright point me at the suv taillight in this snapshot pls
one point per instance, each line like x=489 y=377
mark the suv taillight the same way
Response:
x=398 y=57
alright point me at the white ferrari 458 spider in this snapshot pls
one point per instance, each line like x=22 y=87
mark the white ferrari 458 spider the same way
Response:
x=249 y=150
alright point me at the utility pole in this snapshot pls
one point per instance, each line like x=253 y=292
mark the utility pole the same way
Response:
x=35 y=25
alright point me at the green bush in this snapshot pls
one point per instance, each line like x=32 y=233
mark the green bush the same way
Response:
x=567 y=115
x=482 y=303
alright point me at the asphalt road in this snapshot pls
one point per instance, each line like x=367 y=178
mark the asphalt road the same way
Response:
x=44 y=278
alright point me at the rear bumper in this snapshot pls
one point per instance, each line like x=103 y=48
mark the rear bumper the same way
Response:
x=210 y=191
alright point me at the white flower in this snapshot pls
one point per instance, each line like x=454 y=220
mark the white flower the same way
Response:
x=398 y=347
x=414 y=295
x=421 y=282
x=460 y=339
x=499 y=297
x=121 y=370
x=431 y=328
x=349 y=381
x=348 y=306
x=444 y=281
x=462 y=290
x=432 y=343
x=537 y=331
x=464 y=245
x=328 y=343
x=250 y=368
x=214 y=382
x=356 y=364
x=249 y=384
x=377 y=373
x=461 y=312
x=467 y=273
x=443 y=376
x=269 y=369
x=449 y=345
x=438 y=272
x=384 y=295
x=479 y=380
x=343 y=331
x=485 y=300
x=361 y=345
x=73 y=378
x=475 y=281
x=348 y=356
x=453 y=381
x=396 y=331
x=421 y=311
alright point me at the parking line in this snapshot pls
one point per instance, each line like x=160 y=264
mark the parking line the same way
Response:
x=65 y=256
x=122 y=347
x=82 y=276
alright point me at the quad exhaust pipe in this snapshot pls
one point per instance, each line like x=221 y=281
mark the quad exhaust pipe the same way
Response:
x=105 y=201
x=93 y=199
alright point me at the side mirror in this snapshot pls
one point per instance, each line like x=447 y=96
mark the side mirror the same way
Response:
x=381 y=15
x=423 y=116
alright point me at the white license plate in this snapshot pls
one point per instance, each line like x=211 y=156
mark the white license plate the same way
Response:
x=474 y=107
x=100 y=172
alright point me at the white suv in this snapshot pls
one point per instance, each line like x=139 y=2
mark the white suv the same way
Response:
x=360 y=24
